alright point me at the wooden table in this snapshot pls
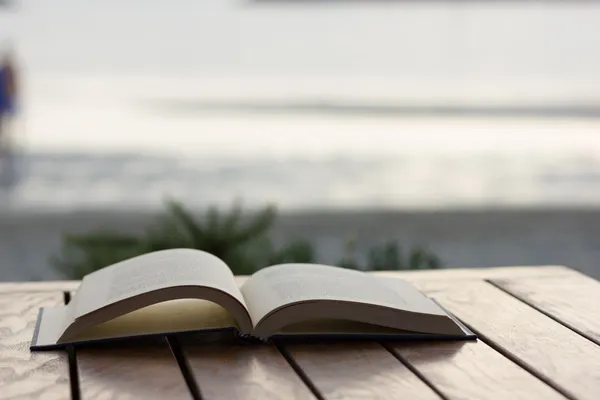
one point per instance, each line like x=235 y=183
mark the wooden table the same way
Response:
x=539 y=331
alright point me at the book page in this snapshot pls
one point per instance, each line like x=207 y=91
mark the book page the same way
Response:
x=149 y=272
x=277 y=286
x=169 y=316
x=173 y=316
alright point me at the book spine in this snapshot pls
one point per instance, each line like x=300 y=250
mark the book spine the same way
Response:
x=247 y=338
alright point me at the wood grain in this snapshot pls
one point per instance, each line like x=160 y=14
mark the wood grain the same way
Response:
x=42 y=286
x=472 y=370
x=548 y=349
x=244 y=372
x=573 y=300
x=358 y=371
x=23 y=374
x=130 y=373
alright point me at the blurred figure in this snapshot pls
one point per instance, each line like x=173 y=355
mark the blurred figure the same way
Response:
x=8 y=98
x=8 y=91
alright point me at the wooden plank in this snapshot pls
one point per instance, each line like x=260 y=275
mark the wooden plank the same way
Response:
x=460 y=274
x=553 y=352
x=358 y=371
x=573 y=300
x=130 y=372
x=25 y=374
x=244 y=372
x=42 y=286
x=472 y=370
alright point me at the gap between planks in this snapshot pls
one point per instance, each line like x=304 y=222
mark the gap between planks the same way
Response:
x=564 y=360
x=93 y=374
x=72 y=358
x=301 y=371
x=571 y=301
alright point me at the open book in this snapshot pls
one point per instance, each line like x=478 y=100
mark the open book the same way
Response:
x=181 y=290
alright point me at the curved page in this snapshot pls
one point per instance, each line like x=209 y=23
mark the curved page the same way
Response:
x=118 y=295
x=292 y=293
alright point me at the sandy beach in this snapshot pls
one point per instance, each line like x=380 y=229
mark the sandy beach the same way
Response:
x=568 y=237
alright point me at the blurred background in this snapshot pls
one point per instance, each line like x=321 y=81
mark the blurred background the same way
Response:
x=469 y=128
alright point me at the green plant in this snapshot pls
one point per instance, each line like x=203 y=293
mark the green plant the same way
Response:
x=349 y=258
x=389 y=257
x=240 y=240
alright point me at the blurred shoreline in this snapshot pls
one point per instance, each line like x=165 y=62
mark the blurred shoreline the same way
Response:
x=335 y=171
x=461 y=238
